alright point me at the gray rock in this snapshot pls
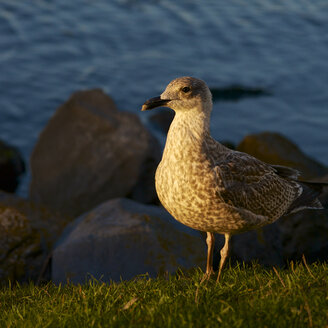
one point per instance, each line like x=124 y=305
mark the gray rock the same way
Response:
x=11 y=167
x=162 y=119
x=90 y=152
x=17 y=241
x=263 y=246
x=121 y=239
x=27 y=233
x=274 y=148
x=236 y=92
x=305 y=232
x=324 y=196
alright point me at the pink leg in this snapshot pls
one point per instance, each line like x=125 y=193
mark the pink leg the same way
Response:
x=210 y=247
x=224 y=254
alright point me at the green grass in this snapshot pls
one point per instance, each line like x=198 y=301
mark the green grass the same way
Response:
x=246 y=297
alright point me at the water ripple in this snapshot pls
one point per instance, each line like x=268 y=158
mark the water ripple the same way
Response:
x=133 y=48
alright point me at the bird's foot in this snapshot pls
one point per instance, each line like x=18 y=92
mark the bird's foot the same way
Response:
x=207 y=275
x=218 y=277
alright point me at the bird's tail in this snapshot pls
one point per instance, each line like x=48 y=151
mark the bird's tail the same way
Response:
x=309 y=196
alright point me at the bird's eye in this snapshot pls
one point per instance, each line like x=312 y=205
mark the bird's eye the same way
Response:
x=185 y=89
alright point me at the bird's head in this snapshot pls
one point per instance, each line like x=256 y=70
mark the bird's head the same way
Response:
x=183 y=94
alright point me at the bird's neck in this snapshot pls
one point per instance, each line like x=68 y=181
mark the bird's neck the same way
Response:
x=198 y=123
x=190 y=130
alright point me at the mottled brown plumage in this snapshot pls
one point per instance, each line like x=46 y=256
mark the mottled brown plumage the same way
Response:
x=211 y=188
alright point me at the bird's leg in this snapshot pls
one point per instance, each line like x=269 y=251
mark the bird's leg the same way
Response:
x=210 y=247
x=209 y=264
x=224 y=254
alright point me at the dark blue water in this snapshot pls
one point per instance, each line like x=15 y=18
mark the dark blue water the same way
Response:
x=132 y=49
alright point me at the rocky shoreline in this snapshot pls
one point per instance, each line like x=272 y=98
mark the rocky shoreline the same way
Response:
x=92 y=209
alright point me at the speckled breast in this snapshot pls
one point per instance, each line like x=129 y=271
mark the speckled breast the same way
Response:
x=187 y=191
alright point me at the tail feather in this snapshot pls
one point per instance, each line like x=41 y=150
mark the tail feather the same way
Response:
x=309 y=196
x=286 y=172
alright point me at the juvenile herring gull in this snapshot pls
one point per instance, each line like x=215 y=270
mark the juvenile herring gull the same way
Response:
x=211 y=188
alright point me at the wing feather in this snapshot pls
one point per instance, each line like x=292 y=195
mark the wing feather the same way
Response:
x=246 y=182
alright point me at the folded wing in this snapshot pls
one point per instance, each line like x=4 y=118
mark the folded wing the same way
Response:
x=246 y=182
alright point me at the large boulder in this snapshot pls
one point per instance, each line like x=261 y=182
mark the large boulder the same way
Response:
x=11 y=167
x=274 y=148
x=305 y=232
x=324 y=195
x=90 y=152
x=263 y=246
x=121 y=239
x=162 y=119
x=27 y=233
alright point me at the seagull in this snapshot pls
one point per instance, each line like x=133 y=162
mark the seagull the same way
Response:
x=211 y=188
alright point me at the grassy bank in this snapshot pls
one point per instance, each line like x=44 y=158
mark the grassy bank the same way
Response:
x=246 y=297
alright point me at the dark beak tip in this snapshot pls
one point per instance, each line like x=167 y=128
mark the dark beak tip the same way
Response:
x=154 y=103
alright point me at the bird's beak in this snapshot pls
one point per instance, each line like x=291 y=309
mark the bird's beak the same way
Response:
x=154 y=102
